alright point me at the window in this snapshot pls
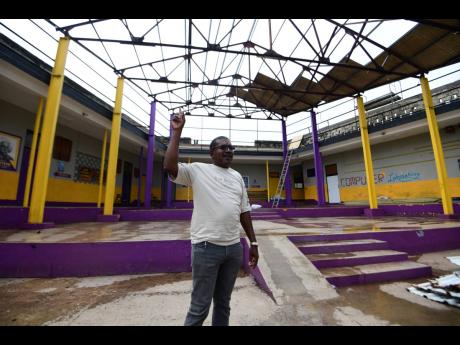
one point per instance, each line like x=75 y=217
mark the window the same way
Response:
x=62 y=149
x=311 y=172
x=331 y=170
x=297 y=176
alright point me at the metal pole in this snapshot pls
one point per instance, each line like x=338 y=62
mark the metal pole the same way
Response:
x=45 y=148
x=168 y=181
x=318 y=161
x=437 y=147
x=287 y=183
x=101 y=173
x=367 y=154
x=188 y=187
x=30 y=168
x=150 y=157
x=268 y=180
x=139 y=180
x=113 y=151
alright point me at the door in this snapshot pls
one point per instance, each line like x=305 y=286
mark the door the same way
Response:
x=332 y=180
x=333 y=189
x=126 y=186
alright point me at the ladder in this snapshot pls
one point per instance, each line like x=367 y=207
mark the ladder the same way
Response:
x=277 y=196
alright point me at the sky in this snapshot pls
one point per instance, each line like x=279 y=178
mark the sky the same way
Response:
x=40 y=38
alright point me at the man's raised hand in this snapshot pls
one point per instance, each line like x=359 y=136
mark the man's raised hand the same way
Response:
x=178 y=120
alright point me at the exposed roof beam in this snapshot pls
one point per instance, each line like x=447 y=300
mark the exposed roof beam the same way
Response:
x=443 y=26
x=254 y=87
x=390 y=51
x=237 y=52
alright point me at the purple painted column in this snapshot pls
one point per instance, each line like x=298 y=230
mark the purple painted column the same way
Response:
x=139 y=180
x=26 y=153
x=168 y=181
x=150 y=153
x=287 y=182
x=318 y=161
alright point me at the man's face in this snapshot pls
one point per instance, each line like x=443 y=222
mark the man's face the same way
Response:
x=222 y=154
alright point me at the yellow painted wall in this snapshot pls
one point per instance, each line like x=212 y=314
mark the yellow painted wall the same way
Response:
x=156 y=191
x=181 y=193
x=297 y=194
x=60 y=190
x=70 y=191
x=273 y=184
x=8 y=185
x=310 y=193
x=406 y=190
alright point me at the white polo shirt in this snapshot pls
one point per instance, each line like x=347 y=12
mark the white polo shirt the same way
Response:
x=219 y=197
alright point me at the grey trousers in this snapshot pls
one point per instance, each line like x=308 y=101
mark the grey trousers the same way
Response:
x=214 y=272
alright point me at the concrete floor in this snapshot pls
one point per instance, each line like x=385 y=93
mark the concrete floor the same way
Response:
x=302 y=295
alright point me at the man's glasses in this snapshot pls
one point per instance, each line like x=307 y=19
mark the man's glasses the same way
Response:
x=226 y=147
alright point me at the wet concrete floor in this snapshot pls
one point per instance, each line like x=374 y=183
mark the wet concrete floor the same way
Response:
x=163 y=299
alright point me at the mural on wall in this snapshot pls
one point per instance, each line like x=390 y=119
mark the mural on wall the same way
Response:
x=87 y=168
x=381 y=177
x=9 y=151
x=403 y=177
x=60 y=170
x=360 y=180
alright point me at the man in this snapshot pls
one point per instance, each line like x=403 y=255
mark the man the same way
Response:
x=220 y=208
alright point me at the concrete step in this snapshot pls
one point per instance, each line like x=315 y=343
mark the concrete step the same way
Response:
x=265 y=215
x=373 y=273
x=364 y=257
x=320 y=247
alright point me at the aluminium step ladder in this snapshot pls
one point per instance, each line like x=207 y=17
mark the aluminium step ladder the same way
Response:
x=284 y=171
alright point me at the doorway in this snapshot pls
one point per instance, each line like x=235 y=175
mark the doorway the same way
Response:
x=126 y=186
x=332 y=180
x=24 y=167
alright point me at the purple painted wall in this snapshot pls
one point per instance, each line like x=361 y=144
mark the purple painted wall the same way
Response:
x=318 y=162
x=14 y=216
x=416 y=210
x=139 y=178
x=321 y=212
x=93 y=259
x=169 y=186
x=150 y=156
x=287 y=181
x=23 y=176
x=409 y=241
x=152 y=215
x=96 y=259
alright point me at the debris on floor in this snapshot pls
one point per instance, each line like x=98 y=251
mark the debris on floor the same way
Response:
x=445 y=289
x=454 y=259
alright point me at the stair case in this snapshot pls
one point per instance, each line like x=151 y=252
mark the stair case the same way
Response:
x=363 y=261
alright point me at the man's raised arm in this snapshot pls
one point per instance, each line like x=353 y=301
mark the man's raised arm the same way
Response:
x=172 y=152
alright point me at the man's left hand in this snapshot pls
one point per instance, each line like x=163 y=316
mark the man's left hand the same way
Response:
x=253 y=256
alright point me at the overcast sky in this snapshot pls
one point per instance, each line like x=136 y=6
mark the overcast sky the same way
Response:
x=88 y=71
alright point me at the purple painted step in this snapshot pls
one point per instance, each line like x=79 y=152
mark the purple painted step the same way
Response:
x=153 y=215
x=265 y=215
x=365 y=274
x=319 y=247
x=355 y=258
